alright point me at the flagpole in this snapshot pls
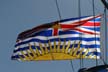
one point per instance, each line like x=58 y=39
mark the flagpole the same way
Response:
x=105 y=17
x=59 y=14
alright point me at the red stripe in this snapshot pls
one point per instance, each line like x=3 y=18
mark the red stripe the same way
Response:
x=55 y=32
x=68 y=26
x=72 y=25
x=85 y=24
x=91 y=24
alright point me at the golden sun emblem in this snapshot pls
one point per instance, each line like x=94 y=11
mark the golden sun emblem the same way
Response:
x=55 y=52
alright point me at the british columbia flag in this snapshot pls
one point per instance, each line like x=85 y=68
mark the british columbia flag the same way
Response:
x=85 y=29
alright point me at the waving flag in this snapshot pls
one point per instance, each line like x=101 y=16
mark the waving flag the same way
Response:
x=67 y=39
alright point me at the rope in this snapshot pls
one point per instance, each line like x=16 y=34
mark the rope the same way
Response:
x=93 y=5
x=72 y=66
x=79 y=14
x=59 y=14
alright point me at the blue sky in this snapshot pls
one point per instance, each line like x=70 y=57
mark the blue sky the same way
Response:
x=19 y=15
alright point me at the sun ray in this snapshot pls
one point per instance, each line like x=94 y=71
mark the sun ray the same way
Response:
x=76 y=50
x=32 y=51
x=67 y=48
x=63 y=48
x=58 y=47
x=50 y=46
x=26 y=57
x=84 y=55
x=42 y=50
x=22 y=59
x=80 y=54
x=29 y=55
x=46 y=49
x=36 y=49
x=54 y=50
x=72 y=49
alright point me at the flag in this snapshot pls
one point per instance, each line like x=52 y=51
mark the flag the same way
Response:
x=71 y=38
